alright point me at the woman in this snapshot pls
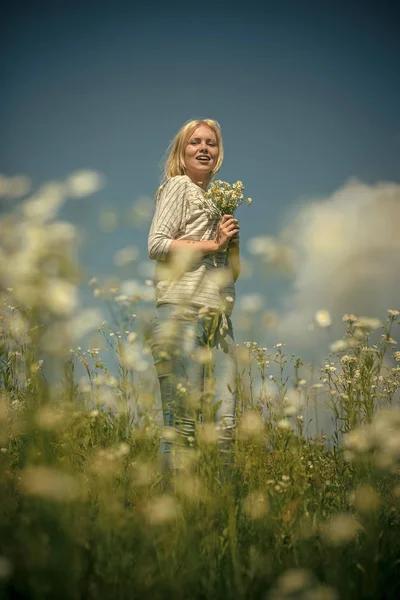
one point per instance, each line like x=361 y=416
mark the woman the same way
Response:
x=195 y=291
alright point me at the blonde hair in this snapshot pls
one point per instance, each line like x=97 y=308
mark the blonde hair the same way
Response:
x=175 y=161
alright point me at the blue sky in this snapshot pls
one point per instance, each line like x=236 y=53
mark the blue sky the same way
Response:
x=307 y=95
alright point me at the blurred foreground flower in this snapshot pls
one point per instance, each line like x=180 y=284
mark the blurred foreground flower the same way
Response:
x=45 y=203
x=341 y=529
x=207 y=434
x=365 y=499
x=14 y=187
x=161 y=510
x=300 y=584
x=49 y=483
x=382 y=436
x=60 y=296
x=256 y=505
x=134 y=289
x=368 y=323
x=6 y=567
x=338 y=346
x=108 y=220
x=50 y=417
x=251 y=426
x=284 y=424
x=323 y=318
x=251 y=303
x=144 y=472
x=84 y=183
x=126 y=255
x=191 y=487
x=141 y=211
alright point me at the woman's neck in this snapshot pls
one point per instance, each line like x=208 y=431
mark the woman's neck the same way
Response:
x=202 y=184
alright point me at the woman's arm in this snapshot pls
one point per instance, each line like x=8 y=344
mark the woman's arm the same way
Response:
x=227 y=235
x=234 y=258
x=203 y=246
x=170 y=214
x=234 y=255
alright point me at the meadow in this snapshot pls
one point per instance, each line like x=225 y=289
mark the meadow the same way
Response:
x=85 y=512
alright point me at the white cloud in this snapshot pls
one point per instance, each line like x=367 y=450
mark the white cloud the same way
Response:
x=346 y=253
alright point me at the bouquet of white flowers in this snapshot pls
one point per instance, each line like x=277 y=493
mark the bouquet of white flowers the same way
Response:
x=222 y=198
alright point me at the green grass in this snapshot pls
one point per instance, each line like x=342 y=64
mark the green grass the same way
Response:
x=85 y=514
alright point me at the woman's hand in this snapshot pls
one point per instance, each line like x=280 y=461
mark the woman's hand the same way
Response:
x=227 y=228
x=235 y=241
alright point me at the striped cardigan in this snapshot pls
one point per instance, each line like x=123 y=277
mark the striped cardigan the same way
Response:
x=179 y=215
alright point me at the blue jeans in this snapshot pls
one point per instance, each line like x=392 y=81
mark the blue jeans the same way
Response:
x=180 y=343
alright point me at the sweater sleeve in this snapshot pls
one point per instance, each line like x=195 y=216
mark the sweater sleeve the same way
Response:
x=169 y=216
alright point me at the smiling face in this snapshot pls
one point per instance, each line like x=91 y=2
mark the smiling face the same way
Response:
x=201 y=155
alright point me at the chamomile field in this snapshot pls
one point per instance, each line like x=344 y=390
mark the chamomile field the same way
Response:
x=86 y=513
